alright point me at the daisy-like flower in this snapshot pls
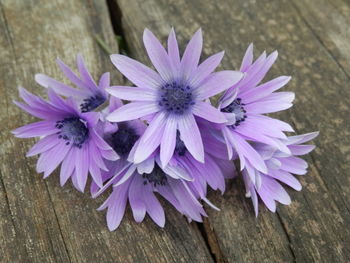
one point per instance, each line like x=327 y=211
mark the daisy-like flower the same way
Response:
x=280 y=166
x=67 y=136
x=173 y=97
x=88 y=93
x=244 y=105
x=138 y=183
x=140 y=190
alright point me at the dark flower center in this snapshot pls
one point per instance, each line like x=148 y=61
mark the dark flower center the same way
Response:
x=176 y=97
x=236 y=107
x=180 y=147
x=73 y=130
x=123 y=140
x=92 y=103
x=156 y=177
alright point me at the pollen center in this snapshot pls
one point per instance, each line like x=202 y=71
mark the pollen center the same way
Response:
x=73 y=130
x=92 y=103
x=236 y=107
x=123 y=140
x=176 y=98
x=156 y=177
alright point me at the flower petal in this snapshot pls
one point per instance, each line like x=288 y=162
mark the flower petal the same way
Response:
x=205 y=68
x=67 y=166
x=85 y=74
x=154 y=209
x=116 y=207
x=104 y=81
x=132 y=111
x=247 y=59
x=191 y=136
x=270 y=187
x=59 y=87
x=43 y=145
x=294 y=165
x=299 y=139
x=218 y=82
x=173 y=52
x=168 y=141
x=94 y=170
x=157 y=55
x=257 y=76
x=177 y=172
x=301 y=149
x=126 y=175
x=190 y=58
x=82 y=166
x=55 y=156
x=286 y=178
x=262 y=107
x=151 y=139
x=67 y=71
x=40 y=128
x=132 y=93
x=146 y=166
x=264 y=127
x=208 y=112
x=190 y=207
x=248 y=152
x=136 y=199
x=264 y=90
x=136 y=72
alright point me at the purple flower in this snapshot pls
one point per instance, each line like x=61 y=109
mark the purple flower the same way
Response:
x=244 y=105
x=140 y=188
x=88 y=93
x=138 y=183
x=67 y=136
x=280 y=167
x=171 y=97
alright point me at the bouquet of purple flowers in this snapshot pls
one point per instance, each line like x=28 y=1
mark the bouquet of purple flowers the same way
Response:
x=170 y=139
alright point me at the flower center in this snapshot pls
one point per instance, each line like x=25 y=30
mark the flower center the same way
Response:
x=236 y=107
x=92 y=103
x=123 y=140
x=180 y=147
x=156 y=177
x=73 y=130
x=176 y=97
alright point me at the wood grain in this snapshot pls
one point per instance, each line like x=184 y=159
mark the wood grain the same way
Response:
x=40 y=221
x=329 y=22
x=315 y=228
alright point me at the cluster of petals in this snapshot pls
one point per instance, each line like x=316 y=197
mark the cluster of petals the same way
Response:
x=169 y=140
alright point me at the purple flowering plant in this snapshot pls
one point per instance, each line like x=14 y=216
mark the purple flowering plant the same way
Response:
x=169 y=140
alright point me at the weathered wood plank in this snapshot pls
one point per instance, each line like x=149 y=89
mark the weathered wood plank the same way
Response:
x=316 y=226
x=40 y=221
x=329 y=21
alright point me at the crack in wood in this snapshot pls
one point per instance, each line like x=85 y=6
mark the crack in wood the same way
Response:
x=287 y=236
x=58 y=224
x=7 y=202
x=116 y=15
x=209 y=235
x=8 y=33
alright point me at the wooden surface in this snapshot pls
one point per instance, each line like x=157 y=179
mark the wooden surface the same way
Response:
x=42 y=222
